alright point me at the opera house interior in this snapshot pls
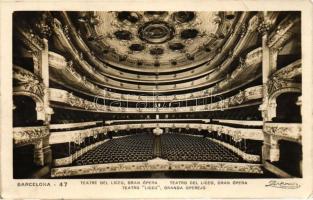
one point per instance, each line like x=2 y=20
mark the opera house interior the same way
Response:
x=157 y=94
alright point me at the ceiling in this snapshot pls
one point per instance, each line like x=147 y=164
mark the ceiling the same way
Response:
x=154 y=39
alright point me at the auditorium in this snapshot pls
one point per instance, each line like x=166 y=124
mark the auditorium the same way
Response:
x=156 y=94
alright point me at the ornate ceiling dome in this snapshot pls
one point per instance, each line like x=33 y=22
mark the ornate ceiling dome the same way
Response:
x=167 y=40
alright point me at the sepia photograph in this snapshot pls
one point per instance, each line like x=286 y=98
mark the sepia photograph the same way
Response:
x=157 y=94
x=132 y=97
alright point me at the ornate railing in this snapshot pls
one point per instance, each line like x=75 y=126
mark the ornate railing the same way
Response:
x=78 y=135
x=240 y=122
x=29 y=135
x=76 y=80
x=157 y=165
x=73 y=125
x=284 y=131
x=27 y=82
x=71 y=100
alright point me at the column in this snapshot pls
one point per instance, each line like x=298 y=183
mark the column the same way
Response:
x=270 y=149
x=43 y=155
x=47 y=108
x=39 y=154
x=274 y=152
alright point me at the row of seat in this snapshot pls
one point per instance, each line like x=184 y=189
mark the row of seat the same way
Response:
x=173 y=147
x=133 y=148
x=189 y=148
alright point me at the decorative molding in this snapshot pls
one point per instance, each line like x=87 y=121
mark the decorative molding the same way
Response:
x=268 y=19
x=157 y=165
x=71 y=136
x=28 y=82
x=282 y=33
x=286 y=131
x=159 y=120
x=290 y=71
x=209 y=37
x=29 y=135
x=58 y=95
x=57 y=60
x=279 y=86
x=69 y=75
x=30 y=38
x=77 y=135
x=116 y=84
x=240 y=122
x=282 y=81
x=73 y=125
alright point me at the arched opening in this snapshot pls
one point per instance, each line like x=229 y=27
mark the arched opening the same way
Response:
x=290 y=157
x=23 y=161
x=287 y=110
x=25 y=113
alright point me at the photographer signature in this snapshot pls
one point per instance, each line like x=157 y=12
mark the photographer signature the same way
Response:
x=283 y=184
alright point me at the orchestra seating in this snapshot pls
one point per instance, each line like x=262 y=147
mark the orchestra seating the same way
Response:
x=179 y=147
x=174 y=147
x=133 y=148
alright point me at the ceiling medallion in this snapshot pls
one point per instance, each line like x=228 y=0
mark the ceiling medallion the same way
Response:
x=156 y=32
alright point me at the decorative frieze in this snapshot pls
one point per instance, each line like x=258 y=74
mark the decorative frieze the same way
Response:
x=157 y=165
x=282 y=34
x=28 y=82
x=286 y=131
x=238 y=133
x=252 y=93
x=283 y=81
x=252 y=59
x=29 y=135
x=78 y=135
x=74 y=125
x=30 y=38
x=215 y=75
